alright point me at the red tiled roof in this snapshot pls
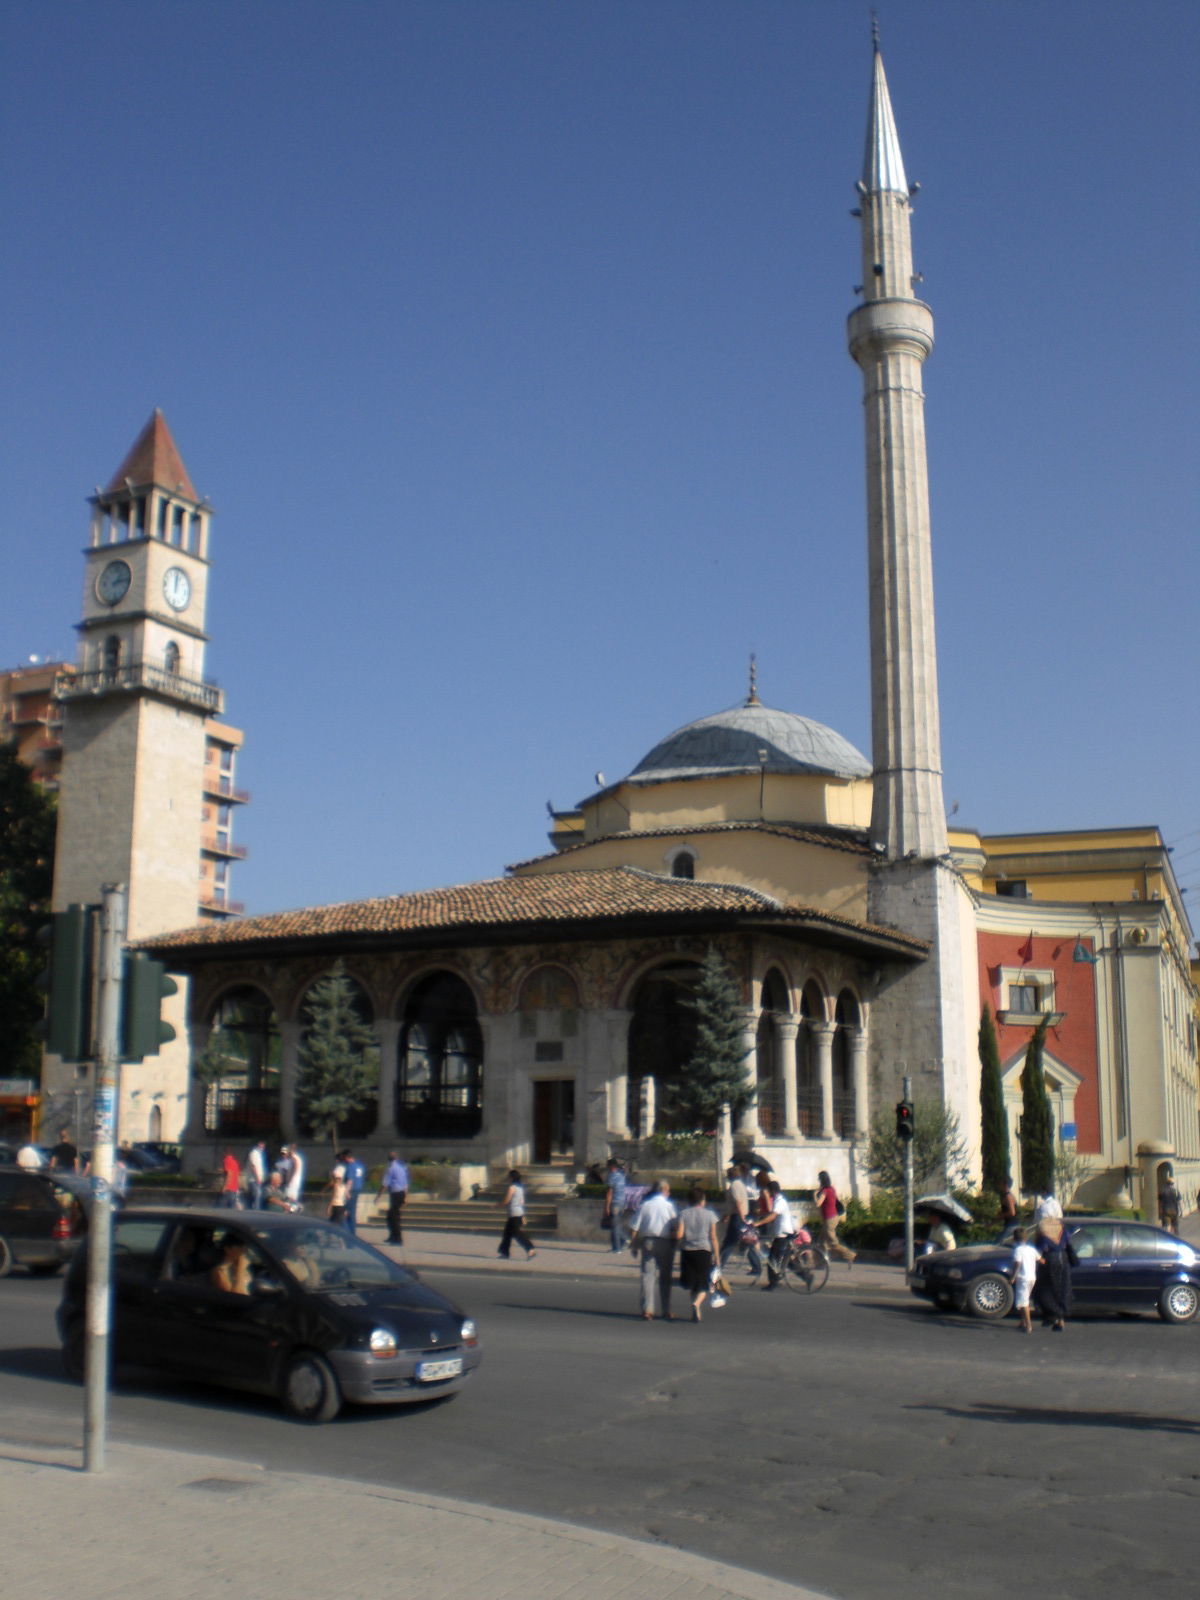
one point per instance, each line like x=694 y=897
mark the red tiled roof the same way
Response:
x=608 y=894
x=852 y=840
x=154 y=458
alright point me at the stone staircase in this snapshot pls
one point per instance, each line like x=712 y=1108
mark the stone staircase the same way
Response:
x=482 y=1216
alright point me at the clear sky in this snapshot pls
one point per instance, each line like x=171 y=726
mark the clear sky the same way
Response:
x=508 y=339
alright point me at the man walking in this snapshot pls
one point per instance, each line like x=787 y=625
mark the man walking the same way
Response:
x=395 y=1187
x=256 y=1175
x=737 y=1199
x=293 y=1185
x=356 y=1177
x=654 y=1235
x=231 y=1181
x=614 y=1205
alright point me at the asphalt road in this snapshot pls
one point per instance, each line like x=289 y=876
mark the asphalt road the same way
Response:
x=855 y=1441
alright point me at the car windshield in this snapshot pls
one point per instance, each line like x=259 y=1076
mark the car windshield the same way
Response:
x=321 y=1256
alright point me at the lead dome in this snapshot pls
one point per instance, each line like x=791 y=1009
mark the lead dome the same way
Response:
x=730 y=742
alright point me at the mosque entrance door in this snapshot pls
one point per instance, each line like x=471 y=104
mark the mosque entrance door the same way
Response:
x=553 y=1120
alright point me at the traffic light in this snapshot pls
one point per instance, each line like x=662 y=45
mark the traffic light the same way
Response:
x=67 y=980
x=904 y=1120
x=143 y=1032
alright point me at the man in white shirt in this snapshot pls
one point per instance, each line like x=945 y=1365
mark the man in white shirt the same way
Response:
x=294 y=1186
x=256 y=1175
x=654 y=1236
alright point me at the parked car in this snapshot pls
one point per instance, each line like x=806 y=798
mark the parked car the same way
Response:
x=1123 y=1266
x=151 y=1157
x=41 y=1218
x=275 y=1304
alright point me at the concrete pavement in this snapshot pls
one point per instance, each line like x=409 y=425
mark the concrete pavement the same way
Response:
x=186 y=1527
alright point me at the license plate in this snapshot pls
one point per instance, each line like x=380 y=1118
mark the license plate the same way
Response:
x=431 y=1371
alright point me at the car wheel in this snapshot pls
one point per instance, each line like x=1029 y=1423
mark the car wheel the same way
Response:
x=1179 y=1302
x=6 y=1258
x=310 y=1389
x=73 y=1353
x=989 y=1296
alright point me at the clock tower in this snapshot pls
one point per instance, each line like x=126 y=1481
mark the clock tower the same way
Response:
x=133 y=733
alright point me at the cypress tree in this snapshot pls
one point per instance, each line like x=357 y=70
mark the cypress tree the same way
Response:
x=27 y=825
x=1037 y=1125
x=716 y=1074
x=993 y=1121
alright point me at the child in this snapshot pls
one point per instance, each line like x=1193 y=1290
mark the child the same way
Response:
x=1026 y=1259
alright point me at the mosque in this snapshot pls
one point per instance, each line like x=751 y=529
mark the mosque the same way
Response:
x=540 y=1019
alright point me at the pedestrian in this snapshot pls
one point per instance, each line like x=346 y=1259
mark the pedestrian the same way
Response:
x=941 y=1234
x=514 y=1219
x=120 y=1176
x=231 y=1181
x=274 y=1195
x=1008 y=1203
x=1052 y=1286
x=294 y=1182
x=395 y=1186
x=737 y=1214
x=1025 y=1265
x=778 y=1227
x=615 y=1184
x=696 y=1235
x=832 y=1210
x=1046 y=1205
x=29 y=1157
x=256 y=1175
x=356 y=1178
x=337 y=1189
x=64 y=1157
x=654 y=1236
x=1169 y=1201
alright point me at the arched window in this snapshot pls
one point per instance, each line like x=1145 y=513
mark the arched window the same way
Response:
x=808 y=1078
x=439 y=1086
x=241 y=1065
x=171 y=657
x=338 y=1003
x=769 y=1051
x=662 y=1040
x=848 y=1018
x=683 y=865
x=112 y=658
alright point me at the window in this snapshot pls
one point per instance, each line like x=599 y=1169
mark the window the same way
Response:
x=1013 y=889
x=439 y=1089
x=684 y=865
x=136 y=1247
x=171 y=656
x=1025 y=998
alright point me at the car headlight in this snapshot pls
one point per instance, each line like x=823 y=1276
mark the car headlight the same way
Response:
x=954 y=1272
x=470 y=1334
x=382 y=1342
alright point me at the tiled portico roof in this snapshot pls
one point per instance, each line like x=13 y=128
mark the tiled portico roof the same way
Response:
x=553 y=901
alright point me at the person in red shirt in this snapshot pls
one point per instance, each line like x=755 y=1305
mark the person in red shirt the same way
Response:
x=230 y=1196
x=827 y=1204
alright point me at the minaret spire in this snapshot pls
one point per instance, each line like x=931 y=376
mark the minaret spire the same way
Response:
x=890 y=337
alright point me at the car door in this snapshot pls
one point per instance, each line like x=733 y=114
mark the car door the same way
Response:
x=1145 y=1261
x=209 y=1332
x=139 y=1245
x=1091 y=1276
x=28 y=1212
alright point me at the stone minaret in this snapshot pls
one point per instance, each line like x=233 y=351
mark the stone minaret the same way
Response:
x=922 y=1024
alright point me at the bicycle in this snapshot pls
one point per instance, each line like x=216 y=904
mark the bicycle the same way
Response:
x=805 y=1266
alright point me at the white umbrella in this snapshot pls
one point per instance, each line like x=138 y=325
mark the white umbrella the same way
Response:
x=946 y=1204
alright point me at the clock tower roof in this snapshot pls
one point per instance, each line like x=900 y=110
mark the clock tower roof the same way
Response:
x=154 y=459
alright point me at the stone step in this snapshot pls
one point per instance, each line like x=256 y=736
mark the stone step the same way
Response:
x=469 y=1216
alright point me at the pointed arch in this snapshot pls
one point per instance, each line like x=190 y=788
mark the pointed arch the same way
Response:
x=439 y=1079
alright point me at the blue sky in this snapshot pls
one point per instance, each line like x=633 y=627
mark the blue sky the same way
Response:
x=508 y=339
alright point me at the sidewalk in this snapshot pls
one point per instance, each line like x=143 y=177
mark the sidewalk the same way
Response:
x=184 y=1527
x=467 y=1252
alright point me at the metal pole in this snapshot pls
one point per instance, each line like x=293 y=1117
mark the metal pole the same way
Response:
x=104 y=1127
x=909 y=1253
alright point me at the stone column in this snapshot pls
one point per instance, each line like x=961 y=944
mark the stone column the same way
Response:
x=387 y=1031
x=786 y=1031
x=647 y=1107
x=290 y=1035
x=856 y=1038
x=747 y=1124
x=823 y=1033
x=607 y=1034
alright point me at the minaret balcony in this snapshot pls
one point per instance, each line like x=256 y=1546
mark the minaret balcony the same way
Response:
x=144 y=677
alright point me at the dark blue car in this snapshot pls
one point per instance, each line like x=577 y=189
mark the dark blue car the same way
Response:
x=1123 y=1266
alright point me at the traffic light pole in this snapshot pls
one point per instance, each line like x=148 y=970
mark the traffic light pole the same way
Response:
x=98 y=1314
x=909 y=1251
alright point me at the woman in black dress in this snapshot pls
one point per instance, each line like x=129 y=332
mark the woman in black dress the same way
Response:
x=1052 y=1287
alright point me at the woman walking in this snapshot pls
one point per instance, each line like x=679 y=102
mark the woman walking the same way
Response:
x=514 y=1219
x=829 y=1206
x=1052 y=1287
x=696 y=1231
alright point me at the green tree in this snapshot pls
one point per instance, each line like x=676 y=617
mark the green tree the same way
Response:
x=339 y=1063
x=27 y=828
x=993 y=1120
x=716 y=1074
x=1037 y=1124
x=938 y=1151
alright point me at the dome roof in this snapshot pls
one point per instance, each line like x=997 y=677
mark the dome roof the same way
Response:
x=731 y=740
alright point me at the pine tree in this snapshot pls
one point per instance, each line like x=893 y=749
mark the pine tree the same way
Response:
x=27 y=829
x=338 y=1064
x=993 y=1121
x=1037 y=1125
x=716 y=1074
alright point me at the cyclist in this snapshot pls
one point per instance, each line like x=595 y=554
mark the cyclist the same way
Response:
x=777 y=1226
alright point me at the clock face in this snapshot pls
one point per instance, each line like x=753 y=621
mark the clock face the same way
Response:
x=113 y=583
x=177 y=588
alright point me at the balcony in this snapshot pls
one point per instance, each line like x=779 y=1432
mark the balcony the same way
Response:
x=221 y=786
x=143 y=675
x=214 y=845
x=212 y=903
